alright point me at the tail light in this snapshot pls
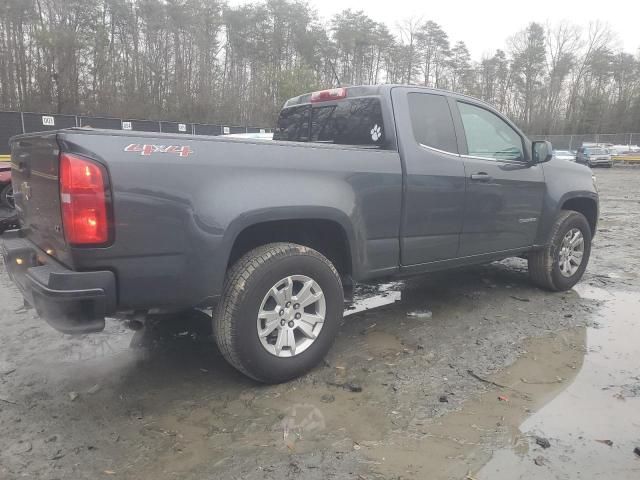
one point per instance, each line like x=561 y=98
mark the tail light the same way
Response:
x=84 y=195
x=328 y=95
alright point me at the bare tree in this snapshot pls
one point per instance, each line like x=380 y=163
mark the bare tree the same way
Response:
x=207 y=61
x=408 y=31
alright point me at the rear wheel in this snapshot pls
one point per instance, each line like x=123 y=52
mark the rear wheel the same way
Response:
x=280 y=312
x=561 y=264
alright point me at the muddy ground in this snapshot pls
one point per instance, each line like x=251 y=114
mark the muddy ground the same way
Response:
x=463 y=393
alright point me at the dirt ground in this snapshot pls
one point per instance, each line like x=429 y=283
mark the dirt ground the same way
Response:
x=473 y=390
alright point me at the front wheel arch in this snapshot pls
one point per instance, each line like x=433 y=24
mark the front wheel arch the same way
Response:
x=587 y=207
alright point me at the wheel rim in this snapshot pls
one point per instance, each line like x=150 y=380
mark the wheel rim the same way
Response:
x=571 y=252
x=291 y=316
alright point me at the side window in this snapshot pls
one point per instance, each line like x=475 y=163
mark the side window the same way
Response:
x=432 y=122
x=489 y=136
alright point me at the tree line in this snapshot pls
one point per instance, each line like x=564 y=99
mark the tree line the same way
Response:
x=207 y=61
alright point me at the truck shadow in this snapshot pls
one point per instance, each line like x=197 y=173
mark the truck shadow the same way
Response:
x=181 y=345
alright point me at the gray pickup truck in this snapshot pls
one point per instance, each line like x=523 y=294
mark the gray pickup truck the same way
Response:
x=359 y=183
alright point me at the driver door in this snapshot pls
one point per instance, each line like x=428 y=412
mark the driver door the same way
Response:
x=504 y=191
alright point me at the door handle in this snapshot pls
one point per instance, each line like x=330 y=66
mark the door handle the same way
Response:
x=481 y=177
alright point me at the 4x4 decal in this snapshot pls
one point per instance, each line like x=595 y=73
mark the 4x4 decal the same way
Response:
x=181 y=150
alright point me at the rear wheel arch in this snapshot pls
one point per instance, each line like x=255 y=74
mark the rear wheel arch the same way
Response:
x=328 y=236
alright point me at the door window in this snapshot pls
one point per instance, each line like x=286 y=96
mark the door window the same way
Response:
x=432 y=122
x=488 y=136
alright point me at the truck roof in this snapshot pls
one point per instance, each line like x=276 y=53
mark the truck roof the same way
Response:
x=378 y=90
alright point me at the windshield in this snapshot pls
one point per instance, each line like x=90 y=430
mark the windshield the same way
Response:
x=597 y=151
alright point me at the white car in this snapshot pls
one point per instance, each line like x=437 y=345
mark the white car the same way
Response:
x=623 y=149
x=564 y=155
x=253 y=136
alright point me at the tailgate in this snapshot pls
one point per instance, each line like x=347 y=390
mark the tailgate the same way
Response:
x=34 y=160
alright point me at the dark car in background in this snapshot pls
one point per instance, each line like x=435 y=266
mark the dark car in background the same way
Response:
x=594 y=156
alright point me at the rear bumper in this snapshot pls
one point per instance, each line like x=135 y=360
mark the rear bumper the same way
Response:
x=71 y=302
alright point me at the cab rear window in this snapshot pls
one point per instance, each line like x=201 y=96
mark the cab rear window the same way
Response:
x=355 y=121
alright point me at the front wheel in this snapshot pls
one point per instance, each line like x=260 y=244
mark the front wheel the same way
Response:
x=560 y=265
x=280 y=312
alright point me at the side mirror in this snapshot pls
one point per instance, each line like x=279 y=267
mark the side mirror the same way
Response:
x=542 y=151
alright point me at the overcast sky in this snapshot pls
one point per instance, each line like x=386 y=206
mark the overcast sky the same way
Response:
x=485 y=25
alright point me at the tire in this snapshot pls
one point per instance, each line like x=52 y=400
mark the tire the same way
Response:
x=6 y=196
x=544 y=265
x=248 y=285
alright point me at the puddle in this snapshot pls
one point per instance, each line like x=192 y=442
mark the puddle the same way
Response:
x=583 y=385
x=602 y=403
x=460 y=442
x=273 y=420
x=579 y=388
x=381 y=344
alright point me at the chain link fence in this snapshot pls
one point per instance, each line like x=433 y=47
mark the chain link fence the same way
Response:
x=14 y=123
x=573 y=142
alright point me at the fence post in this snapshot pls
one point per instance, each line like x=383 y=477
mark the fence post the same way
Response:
x=570 y=142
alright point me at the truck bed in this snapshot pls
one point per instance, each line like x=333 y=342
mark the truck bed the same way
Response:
x=180 y=200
